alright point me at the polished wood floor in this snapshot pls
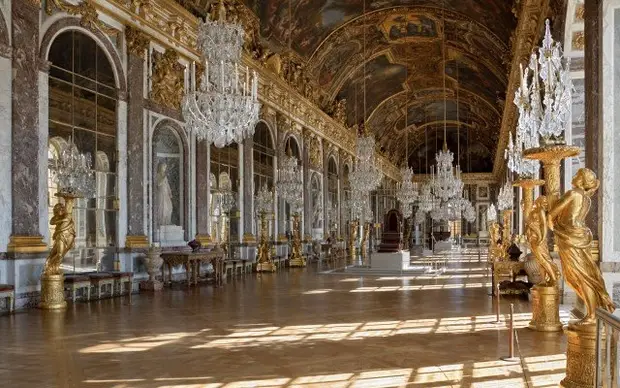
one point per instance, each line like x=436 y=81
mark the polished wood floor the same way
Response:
x=296 y=328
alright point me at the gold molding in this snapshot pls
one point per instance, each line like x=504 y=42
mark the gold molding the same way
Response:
x=85 y=9
x=527 y=35
x=578 y=41
x=26 y=244
x=137 y=41
x=137 y=241
x=168 y=84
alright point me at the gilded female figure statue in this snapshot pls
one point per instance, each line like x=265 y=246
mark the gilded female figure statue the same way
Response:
x=536 y=233
x=566 y=219
x=64 y=237
x=495 y=242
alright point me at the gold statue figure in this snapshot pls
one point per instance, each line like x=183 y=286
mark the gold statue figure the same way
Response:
x=64 y=236
x=536 y=233
x=495 y=246
x=573 y=238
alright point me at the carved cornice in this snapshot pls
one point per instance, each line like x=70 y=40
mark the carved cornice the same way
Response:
x=86 y=10
x=471 y=178
x=528 y=32
x=171 y=25
x=137 y=41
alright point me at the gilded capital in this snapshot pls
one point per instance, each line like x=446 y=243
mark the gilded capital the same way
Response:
x=137 y=41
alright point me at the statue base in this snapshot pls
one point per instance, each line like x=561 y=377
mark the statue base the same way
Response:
x=297 y=262
x=580 y=356
x=266 y=266
x=53 y=292
x=545 y=309
x=151 y=285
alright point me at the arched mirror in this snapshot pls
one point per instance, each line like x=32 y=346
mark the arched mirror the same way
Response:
x=168 y=183
x=83 y=108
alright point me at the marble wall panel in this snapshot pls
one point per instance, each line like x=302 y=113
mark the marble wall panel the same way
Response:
x=25 y=118
x=135 y=145
x=5 y=152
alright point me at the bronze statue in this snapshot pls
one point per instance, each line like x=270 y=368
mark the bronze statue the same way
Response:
x=536 y=232
x=64 y=236
x=573 y=238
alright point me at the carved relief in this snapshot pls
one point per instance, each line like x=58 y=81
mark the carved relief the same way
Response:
x=137 y=41
x=578 y=41
x=315 y=154
x=167 y=79
x=86 y=10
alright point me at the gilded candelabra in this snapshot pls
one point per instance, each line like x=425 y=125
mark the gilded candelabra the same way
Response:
x=353 y=227
x=364 y=242
x=72 y=171
x=506 y=229
x=264 y=261
x=297 y=260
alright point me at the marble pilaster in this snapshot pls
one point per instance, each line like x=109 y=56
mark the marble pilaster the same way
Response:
x=307 y=219
x=5 y=152
x=26 y=236
x=202 y=190
x=136 y=191
x=593 y=18
x=248 y=187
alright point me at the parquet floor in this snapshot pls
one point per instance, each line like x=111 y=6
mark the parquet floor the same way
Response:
x=296 y=328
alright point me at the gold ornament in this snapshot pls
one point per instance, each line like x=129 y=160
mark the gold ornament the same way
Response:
x=167 y=79
x=353 y=225
x=573 y=238
x=494 y=237
x=297 y=260
x=364 y=242
x=264 y=262
x=64 y=235
x=536 y=233
x=137 y=41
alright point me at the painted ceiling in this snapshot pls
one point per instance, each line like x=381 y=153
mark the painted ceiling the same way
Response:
x=413 y=69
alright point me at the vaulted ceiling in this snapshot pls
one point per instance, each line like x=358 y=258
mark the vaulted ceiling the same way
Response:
x=391 y=64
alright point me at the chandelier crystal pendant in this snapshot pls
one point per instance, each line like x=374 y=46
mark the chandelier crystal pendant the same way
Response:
x=548 y=116
x=425 y=200
x=446 y=180
x=469 y=213
x=505 y=198
x=224 y=108
x=366 y=176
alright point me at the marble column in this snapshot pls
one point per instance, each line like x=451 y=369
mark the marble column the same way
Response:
x=137 y=44
x=248 y=188
x=593 y=62
x=26 y=235
x=202 y=192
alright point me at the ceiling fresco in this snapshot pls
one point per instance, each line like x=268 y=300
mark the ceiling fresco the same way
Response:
x=403 y=58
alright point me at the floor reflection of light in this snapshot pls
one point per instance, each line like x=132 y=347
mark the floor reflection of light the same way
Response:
x=137 y=344
x=268 y=383
x=314 y=292
x=386 y=378
x=212 y=385
x=422 y=287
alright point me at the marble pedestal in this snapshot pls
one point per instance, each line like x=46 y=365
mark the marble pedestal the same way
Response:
x=394 y=261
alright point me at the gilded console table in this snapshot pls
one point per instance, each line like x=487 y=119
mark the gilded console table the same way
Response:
x=191 y=262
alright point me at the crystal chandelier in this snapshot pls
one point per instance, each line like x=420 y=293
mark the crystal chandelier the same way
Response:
x=525 y=168
x=419 y=218
x=407 y=193
x=72 y=171
x=366 y=176
x=548 y=116
x=224 y=109
x=469 y=213
x=506 y=197
x=446 y=181
x=425 y=202
x=492 y=213
x=289 y=184
x=264 y=201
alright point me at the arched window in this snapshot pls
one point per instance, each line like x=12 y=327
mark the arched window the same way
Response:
x=224 y=180
x=264 y=155
x=168 y=183
x=82 y=107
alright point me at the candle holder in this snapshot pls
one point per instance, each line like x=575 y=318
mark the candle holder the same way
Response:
x=73 y=174
x=264 y=206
